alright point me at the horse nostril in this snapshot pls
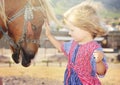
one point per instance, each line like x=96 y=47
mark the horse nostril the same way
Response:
x=15 y=56
x=26 y=61
x=25 y=64
x=27 y=57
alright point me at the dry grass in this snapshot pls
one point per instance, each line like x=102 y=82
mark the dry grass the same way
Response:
x=38 y=71
x=113 y=76
x=56 y=73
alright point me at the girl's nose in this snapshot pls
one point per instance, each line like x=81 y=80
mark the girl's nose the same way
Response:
x=69 y=33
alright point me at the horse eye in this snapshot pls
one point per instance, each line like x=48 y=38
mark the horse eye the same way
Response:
x=34 y=27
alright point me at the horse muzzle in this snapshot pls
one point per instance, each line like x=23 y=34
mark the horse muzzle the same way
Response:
x=27 y=56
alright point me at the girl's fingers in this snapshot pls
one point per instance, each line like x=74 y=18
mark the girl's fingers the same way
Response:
x=47 y=28
x=98 y=55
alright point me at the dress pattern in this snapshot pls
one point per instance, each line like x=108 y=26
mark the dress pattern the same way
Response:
x=81 y=64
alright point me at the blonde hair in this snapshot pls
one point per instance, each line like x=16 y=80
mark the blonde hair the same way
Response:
x=47 y=9
x=85 y=17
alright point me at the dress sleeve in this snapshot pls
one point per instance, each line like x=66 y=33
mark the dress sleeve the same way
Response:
x=66 y=47
x=104 y=61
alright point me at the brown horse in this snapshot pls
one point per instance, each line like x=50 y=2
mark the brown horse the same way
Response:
x=21 y=23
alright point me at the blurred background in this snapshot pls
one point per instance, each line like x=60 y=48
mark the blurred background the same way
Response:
x=49 y=65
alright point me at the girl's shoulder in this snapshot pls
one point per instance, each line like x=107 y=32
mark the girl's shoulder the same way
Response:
x=70 y=42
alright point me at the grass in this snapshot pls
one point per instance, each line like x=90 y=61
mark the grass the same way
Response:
x=57 y=73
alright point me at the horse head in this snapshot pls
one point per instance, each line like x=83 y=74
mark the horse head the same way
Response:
x=24 y=24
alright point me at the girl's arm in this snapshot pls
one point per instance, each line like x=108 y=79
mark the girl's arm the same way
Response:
x=52 y=39
x=100 y=65
x=100 y=68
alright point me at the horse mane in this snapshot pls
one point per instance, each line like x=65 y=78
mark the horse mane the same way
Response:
x=2 y=11
x=50 y=15
x=44 y=4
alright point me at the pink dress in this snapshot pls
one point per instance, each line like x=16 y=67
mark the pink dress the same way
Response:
x=81 y=67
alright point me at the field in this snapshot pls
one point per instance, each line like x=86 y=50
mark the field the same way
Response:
x=40 y=74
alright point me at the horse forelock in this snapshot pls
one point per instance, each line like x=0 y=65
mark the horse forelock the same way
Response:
x=2 y=11
x=48 y=11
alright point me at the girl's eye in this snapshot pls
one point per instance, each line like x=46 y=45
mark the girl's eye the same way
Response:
x=70 y=31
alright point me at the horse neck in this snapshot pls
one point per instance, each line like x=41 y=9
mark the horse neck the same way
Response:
x=13 y=6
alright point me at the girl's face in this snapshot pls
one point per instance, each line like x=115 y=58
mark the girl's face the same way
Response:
x=78 y=34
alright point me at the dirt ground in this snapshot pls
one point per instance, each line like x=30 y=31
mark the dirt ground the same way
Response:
x=52 y=75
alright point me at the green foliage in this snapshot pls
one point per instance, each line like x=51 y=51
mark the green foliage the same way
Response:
x=110 y=14
x=60 y=6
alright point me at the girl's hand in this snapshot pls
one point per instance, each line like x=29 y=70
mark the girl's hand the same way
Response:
x=98 y=55
x=47 y=28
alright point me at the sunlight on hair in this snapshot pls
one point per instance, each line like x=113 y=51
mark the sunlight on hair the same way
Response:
x=48 y=11
x=86 y=16
x=97 y=5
